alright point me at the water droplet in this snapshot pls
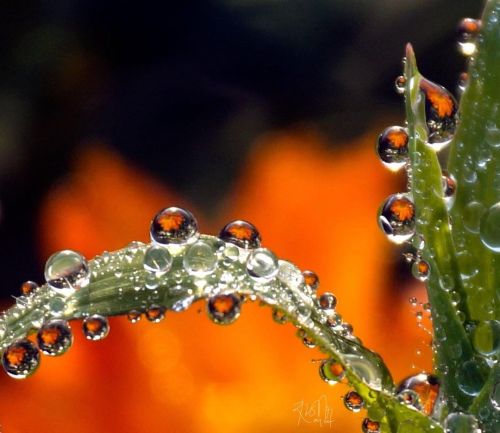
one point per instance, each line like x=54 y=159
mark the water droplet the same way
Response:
x=155 y=313
x=370 y=426
x=489 y=228
x=470 y=377
x=486 y=337
x=331 y=371
x=262 y=264
x=309 y=342
x=20 y=359
x=420 y=391
x=472 y=214
x=449 y=189
x=327 y=301
x=413 y=301
x=492 y=135
x=224 y=309
x=242 y=234
x=134 y=316
x=392 y=147
x=311 y=279
x=231 y=254
x=353 y=401
x=440 y=112
x=467 y=30
x=458 y=422
x=400 y=85
x=397 y=218
x=495 y=396
x=364 y=369
x=173 y=225
x=28 y=288
x=157 y=259
x=279 y=316
x=95 y=327
x=463 y=80
x=54 y=337
x=421 y=270
x=66 y=271
x=200 y=259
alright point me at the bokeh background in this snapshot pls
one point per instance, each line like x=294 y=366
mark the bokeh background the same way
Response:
x=265 y=110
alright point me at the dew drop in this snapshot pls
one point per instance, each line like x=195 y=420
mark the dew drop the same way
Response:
x=463 y=80
x=489 y=228
x=495 y=396
x=56 y=305
x=224 y=309
x=173 y=225
x=311 y=279
x=134 y=316
x=470 y=377
x=279 y=316
x=95 y=327
x=157 y=259
x=370 y=426
x=440 y=112
x=486 y=337
x=327 y=301
x=155 y=313
x=472 y=215
x=66 y=271
x=200 y=259
x=20 y=359
x=397 y=218
x=242 y=234
x=420 y=391
x=421 y=270
x=262 y=265
x=492 y=135
x=392 y=147
x=467 y=30
x=54 y=337
x=458 y=422
x=400 y=85
x=353 y=401
x=449 y=189
x=28 y=288
x=331 y=371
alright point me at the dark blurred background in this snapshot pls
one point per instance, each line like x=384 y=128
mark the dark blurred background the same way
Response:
x=182 y=89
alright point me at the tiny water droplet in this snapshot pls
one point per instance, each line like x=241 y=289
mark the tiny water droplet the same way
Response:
x=400 y=85
x=397 y=218
x=489 y=228
x=327 y=301
x=421 y=270
x=440 y=113
x=134 y=316
x=155 y=313
x=173 y=225
x=66 y=271
x=28 y=288
x=370 y=426
x=413 y=301
x=242 y=234
x=311 y=279
x=353 y=401
x=95 y=327
x=20 y=359
x=56 y=305
x=262 y=265
x=224 y=309
x=279 y=316
x=420 y=391
x=449 y=189
x=467 y=30
x=392 y=147
x=458 y=422
x=54 y=337
x=157 y=259
x=200 y=259
x=495 y=396
x=463 y=80
x=331 y=371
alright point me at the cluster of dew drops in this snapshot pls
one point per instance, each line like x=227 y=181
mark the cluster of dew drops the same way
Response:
x=397 y=219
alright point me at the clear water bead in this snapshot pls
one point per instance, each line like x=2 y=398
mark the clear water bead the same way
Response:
x=200 y=259
x=311 y=279
x=470 y=377
x=134 y=316
x=173 y=225
x=486 y=337
x=400 y=85
x=458 y=422
x=331 y=371
x=66 y=271
x=95 y=327
x=489 y=228
x=54 y=337
x=224 y=309
x=158 y=260
x=421 y=270
x=472 y=215
x=397 y=218
x=392 y=147
x=20 y=359
x=262 y=264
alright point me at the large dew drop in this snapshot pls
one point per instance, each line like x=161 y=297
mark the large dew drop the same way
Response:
x=20 y=359
x=421 y=270
x=353 y=401
x=54 y=337
x=440 y=113
x=420 y=391
x=200 y=259
x=370 y=426
x=157 y=260
x=486 y=337
x=470 y=377
x=262 y=265
x=224 y=309
x=392 y=147
x=489 y=228
x=242 y=234
x=95 y=327
x=397 y=218
x=66 y=271
x=458 y=422
x=173 y=225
